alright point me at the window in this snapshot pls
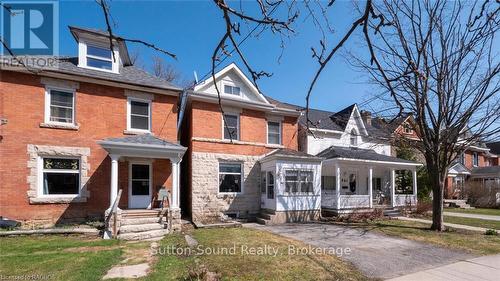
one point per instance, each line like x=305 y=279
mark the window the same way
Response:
x=462 y=158
x=231 y=128
x=139 y=115
x=263 y=182
x=140 y=180
x=270 y=185
x=299 y=181
x=354 y=138
x=352 y=182
x=61 y=176
x=232 y=90
x=475 y=159
x=328 y=183
x=60 y=106
x=98 y=57
x=377 y=184
x=230 y=177
x=407 y=129
x=273 y=132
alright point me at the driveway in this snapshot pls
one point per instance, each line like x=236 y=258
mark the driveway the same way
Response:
x=376 y=255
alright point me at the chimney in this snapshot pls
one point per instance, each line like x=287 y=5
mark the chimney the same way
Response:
x=367 y=117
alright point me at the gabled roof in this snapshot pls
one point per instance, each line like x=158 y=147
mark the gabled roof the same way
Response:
x=326 y=120
x=352 y=153
x=342 y=117
x=494 y=147
x=458 y=169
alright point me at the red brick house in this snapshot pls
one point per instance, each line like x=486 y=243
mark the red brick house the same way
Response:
x=78 y=129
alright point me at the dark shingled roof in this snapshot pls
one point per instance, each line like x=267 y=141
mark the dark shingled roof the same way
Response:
x=342 y=117
x=359 y=154
x=285 y=152
x=146 y=139
x=486 y=172
x=128 y=74
x=284 y=105
x=494 y=147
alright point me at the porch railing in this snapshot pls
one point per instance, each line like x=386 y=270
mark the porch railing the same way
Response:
x=113 y=214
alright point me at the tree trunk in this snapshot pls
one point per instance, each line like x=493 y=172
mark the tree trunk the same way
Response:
x=437 y=182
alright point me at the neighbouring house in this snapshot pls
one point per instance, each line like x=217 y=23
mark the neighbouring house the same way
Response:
x=358 y=168
x=78 y=129
x=243 y=160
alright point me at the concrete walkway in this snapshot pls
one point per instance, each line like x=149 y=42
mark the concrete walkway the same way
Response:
x=452 y=225
x=375 y=254
x=473 y=216
x=482 y=268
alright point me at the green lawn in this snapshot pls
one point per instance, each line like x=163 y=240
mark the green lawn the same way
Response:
x=247 y=267
x=473 y=222
x=473 y=242
x=57 y=257
x=479 y=211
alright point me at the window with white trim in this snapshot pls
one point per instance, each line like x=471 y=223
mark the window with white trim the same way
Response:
x=99 y=57
x=230 y=177
x=232 y=126
x=299 y=181
x=354 y=138
x=273 y=132
x=407 y=129
x=139 y=115
x=231 y=90
x=61 y=176
x=475 y=159
x=60 y=106
x=270 y=185
x=328 y=183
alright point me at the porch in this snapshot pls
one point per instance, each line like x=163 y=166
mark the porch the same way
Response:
x=355 y=178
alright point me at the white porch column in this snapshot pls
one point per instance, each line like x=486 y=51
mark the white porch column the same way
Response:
x=370 y=186
x=337 y=184
x=415 y=184
x=114 y=179
x=393 y=188
x=175 y=182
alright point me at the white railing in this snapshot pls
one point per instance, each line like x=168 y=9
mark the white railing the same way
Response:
x=328 y=200
x=405 y=200
x=354 y=201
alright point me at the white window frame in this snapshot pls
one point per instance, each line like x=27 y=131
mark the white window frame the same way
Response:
x=270 y=184
x=242 y=174
x=353 y=136
x=41 y=171
x=224 y=84
x=299 y=186
x=475 y=156
x=238 y=137
x=279 y=134
x=47 y=105
x=407 y=128
x=129 y=112
x=82 y=56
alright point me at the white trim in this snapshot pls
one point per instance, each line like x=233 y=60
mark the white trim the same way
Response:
x=372 y=161
x=82 y=56
x=41 y=171
x=268 y=183
x=280 y=138
x=326 y=131
x=242 y=175
x=129 y=122
x=48 y=93
x=232 y=85
x=238 y=137
x=299 y=183
x=140 y=162
x=474 y=156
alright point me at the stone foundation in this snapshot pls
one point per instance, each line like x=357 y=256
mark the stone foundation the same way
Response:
x=176 y=220
x=207 y=203
x=295 y=216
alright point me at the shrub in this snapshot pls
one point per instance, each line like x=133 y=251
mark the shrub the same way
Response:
x=482 y=195
x=491 y=232
x=423 y=208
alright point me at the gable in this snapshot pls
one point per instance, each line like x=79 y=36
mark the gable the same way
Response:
x=355 y=122
x=234 y=77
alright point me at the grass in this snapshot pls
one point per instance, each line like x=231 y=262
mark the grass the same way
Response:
x=475 y=243
x=239 y=266
x=478 y=211
x=473 y=222
x=57 y=257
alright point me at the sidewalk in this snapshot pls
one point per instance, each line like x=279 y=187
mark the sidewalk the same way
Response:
x=482 y=268
x=473 y=216
x=453 y=225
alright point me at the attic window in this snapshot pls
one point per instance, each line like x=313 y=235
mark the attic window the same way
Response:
x=231 y=90
x=407 y=128
x=354 y=138
x=98 y=57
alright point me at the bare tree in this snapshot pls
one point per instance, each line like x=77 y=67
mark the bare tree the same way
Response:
x=437 y=60
x=162 y=69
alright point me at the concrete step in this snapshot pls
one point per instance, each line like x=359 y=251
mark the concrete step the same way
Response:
x=139 y=220
x=267 y=211
x=265 y=216
x=146 y=235
x=140 y=213
x=262 y=221
x=140 y=227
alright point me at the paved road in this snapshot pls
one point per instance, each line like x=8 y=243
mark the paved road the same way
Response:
x=482 y=268
x=376 y=255
x=473 y=216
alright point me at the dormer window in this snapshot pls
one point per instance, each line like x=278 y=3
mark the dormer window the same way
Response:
x=354 y=138
x=231 y=90
x=98 y=57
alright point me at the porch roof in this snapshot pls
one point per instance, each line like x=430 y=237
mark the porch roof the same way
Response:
x=285 y=153
x=458 y=169
x=360 y=154
x=145 y=145
x=486 y=172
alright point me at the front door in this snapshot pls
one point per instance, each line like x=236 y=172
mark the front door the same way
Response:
x=139 y=195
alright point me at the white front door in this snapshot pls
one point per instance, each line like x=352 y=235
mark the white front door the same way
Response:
x=139 y=191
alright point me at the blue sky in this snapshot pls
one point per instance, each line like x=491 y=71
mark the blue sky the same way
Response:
x=191 y=29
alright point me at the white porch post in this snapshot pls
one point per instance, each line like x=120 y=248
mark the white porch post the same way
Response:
x=393 y=188
x=175 y=182
x=415 y=184
x=337 y=183
x=370 y=186
x=114 y=179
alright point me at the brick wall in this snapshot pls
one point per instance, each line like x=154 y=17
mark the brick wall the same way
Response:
x=100 y=112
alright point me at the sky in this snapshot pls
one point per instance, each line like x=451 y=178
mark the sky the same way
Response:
x=192 y=29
